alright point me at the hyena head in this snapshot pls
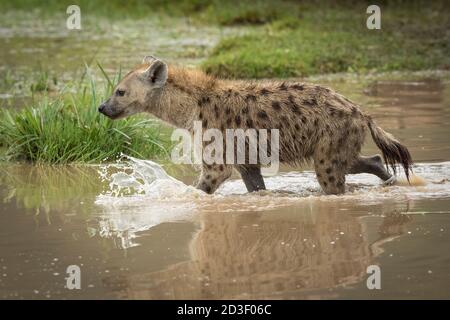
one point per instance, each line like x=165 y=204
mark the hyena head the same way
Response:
x=138 y=91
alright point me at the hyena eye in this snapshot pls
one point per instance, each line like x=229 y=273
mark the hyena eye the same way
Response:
x=120 y=93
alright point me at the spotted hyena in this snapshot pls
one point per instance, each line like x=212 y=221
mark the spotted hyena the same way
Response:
x=314 y=122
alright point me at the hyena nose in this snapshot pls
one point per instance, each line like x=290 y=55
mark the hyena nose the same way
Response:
x=101 y=108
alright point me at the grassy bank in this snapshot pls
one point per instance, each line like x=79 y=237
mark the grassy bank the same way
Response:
x=231 y=12
x=297 y=38
x=69 y=129
x=412 y=37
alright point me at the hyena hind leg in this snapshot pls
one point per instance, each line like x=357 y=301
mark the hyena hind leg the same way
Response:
x=373 y=165
x=331 y=175
x=251 y=174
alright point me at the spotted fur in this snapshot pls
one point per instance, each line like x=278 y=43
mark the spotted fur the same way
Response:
x=315 y=122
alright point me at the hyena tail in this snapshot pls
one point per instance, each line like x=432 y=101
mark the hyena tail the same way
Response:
x=393 y=151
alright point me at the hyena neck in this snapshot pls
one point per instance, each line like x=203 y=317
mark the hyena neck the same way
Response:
x=179 y=100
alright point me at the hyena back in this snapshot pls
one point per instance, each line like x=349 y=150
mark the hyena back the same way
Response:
x=314 y=122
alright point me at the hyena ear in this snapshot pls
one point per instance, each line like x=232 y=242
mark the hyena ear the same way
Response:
x=156 y=73
x=149 y=59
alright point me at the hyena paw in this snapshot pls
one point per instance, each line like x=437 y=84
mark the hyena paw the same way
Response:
x=391 y=181
x=204 y=186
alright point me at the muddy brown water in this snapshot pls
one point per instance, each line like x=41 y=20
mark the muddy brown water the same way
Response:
x=136 y=233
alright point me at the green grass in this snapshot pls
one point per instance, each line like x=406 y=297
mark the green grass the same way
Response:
x=413 y=37
x=229 y=12
x=69 y=129
x=296 y=38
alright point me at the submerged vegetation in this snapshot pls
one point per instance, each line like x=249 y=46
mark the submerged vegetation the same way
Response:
x=69 y=129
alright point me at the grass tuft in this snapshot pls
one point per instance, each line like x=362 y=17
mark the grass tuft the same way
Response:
x=69 y=129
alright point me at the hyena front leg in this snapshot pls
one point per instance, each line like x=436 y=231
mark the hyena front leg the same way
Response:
x=251 y=174
x=213 y=176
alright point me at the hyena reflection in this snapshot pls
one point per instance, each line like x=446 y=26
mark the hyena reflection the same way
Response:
x=314 y=122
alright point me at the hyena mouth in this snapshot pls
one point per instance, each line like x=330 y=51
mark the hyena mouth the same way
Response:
x=116 y=115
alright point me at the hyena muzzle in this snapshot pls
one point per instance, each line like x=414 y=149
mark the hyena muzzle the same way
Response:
x=314 y=122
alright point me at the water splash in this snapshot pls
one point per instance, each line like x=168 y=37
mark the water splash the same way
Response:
x=431 y=180
x=142 y=195
x=134 y=180
x=132 y=176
